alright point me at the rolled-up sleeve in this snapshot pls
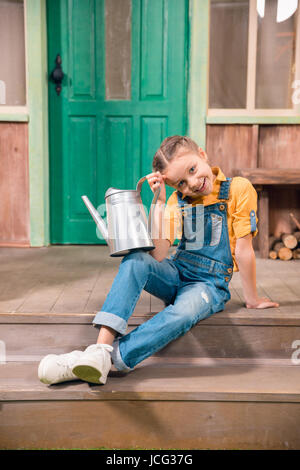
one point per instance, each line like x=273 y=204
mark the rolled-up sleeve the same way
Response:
x=244 y=217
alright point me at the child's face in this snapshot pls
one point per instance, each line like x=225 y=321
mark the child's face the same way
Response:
x=190 y=174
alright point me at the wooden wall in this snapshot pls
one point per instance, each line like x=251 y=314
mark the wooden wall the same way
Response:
x=265 y=146
x=228 y=146
x=14 y=185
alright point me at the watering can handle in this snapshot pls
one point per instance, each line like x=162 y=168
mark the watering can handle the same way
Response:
x=152 y=207
x=139 y=184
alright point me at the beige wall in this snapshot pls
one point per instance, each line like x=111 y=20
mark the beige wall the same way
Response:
x=12 y=53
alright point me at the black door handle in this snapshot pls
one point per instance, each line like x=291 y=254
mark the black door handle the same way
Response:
x=57 y=74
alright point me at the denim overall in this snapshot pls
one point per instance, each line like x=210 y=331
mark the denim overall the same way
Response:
x=193 y=283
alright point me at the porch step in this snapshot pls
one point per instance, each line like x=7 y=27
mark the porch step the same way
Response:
x=246 y=334
x=229 y=383
x=168 y=405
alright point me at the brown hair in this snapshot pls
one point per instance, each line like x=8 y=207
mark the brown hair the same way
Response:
x=170 y=148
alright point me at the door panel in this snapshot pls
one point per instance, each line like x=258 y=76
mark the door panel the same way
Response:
x=118 y=149
x=82 y=45
x=82 y=141
x=124 y=91
x=153 y=50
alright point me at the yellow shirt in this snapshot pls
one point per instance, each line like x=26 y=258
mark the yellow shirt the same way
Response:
x=242 y=200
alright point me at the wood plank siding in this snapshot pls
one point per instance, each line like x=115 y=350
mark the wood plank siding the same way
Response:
x=14 y=187
x=260 y=146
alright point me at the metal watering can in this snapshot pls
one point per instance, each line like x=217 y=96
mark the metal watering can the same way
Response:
x=127 y=226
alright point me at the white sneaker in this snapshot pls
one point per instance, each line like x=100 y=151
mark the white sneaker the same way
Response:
x=56 y=368
x=95 y=363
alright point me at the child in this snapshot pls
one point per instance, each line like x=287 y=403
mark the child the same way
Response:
x=193 y=282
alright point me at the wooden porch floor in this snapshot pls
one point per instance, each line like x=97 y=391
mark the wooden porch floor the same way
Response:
x=76 y=279
x=220 y=386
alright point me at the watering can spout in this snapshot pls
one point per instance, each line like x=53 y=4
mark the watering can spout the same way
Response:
x=97 y=218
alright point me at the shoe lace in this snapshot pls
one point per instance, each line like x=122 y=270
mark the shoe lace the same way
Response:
x=65 y=362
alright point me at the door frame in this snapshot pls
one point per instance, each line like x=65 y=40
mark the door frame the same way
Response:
x=197 y=95
x=38 y=120
x=198 y=60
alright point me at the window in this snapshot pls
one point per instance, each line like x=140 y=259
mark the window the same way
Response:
x=254 y=57
x=118 y=49
x=12 y=54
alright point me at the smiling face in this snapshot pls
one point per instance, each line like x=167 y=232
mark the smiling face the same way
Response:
x=191 y=174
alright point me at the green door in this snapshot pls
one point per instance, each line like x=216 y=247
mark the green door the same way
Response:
x=124 y=91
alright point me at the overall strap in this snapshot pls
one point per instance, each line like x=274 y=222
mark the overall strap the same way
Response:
x=181 y=202
x=224 y=189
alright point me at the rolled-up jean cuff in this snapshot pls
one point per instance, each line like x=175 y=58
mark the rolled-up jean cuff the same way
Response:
x=117 y=359
x=110 y=319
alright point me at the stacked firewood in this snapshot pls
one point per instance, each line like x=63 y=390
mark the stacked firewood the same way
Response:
x=287 y=245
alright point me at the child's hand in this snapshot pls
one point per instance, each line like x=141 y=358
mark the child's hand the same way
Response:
x=155 y=180
x=262 y=302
